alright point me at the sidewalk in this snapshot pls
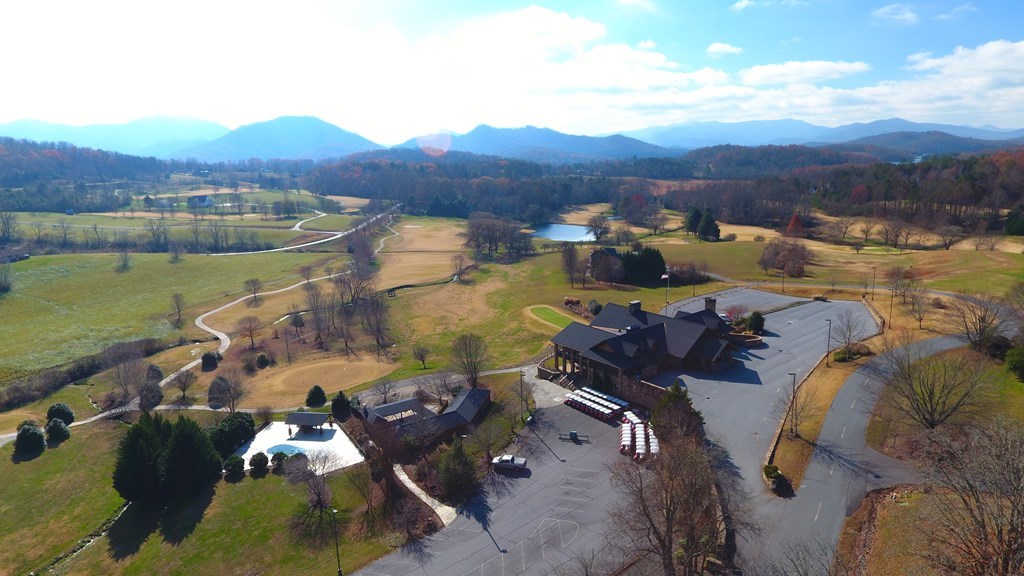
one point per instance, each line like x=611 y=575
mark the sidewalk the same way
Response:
x=446 y=513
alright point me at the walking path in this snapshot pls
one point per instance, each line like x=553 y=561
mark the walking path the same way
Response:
x=446 y=513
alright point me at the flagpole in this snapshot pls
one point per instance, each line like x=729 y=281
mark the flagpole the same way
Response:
x=668 y=280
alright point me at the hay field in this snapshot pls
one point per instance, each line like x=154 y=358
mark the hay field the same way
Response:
x=422 y=252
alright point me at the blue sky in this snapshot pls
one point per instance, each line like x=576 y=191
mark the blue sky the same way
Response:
x=391 y=70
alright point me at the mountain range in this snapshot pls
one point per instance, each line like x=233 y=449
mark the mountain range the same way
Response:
x=306 y=137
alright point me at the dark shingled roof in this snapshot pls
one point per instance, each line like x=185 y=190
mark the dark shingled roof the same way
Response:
x=624 y=339
x=306 y=419
x=464 y=409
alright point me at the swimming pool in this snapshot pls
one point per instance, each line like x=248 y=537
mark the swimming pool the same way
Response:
x=286 y=448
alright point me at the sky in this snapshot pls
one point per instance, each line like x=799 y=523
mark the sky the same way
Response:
x=391 y=70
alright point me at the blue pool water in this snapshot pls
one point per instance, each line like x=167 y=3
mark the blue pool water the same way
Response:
x=286 y=448
x=564 y=233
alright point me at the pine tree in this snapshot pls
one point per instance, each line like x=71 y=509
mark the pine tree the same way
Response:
x=190 y=463
x=137 y=467
x=708 y=229
x=693 y=218
x=456 y=471
x=795 y=228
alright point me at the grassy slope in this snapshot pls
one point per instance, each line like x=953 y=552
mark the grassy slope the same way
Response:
x=244 y=530
x=549 y=315
x=49 y=503
x=76 y=397
x=67 y=306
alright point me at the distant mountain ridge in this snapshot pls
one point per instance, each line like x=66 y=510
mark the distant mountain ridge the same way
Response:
x=762 y=132
x=287 y=137
x=542 y=145
x=138 y=137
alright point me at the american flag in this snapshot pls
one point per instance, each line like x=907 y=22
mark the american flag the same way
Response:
x=664 y=276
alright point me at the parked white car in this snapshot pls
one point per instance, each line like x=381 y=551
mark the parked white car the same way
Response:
x=509 y=461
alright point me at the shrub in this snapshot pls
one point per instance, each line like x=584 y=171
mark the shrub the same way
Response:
x=262 y=360
x=1015 y=362
x=316 y=396
x=730 y=237
x=995 y=346
x=249 y=364
x=233 y=466
x=819 y=298
x=219 y=388
x=30 y=440
x=758 y=238
x=278 y=459
x=595 y=307
x=258 y=462
x=456 y=472
x=232 y=432
x=62 y=411
x=154 y=373
x=756 y=322
x=938 y=303
x=771 y=471
x=57 y=431
x=209 y=361
x=150 y=395
x=27 y=423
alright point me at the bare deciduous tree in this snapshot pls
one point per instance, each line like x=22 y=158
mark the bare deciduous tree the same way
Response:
x=570 y=262
x=377 y=321
x=458 y=263
x=980 y=316
x=847 y=330
x=796 y=407
x=598 y=227
x=420 y=353
x=920 y=305
x=489 y=436
x=438 y=386
x=949 y=235
x=930 y=389
x=232 y=393
x=469 y=353
x=128 y=371
x=249 y=326
x=865 y=229
x=667 y=509
x=178 y=303
x=977 y=531
x=306 y=272
x=383 y=389
x=183 y=381
x=316 y=524
x=253 y=286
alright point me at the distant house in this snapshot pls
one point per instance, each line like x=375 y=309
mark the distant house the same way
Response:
x=624 y=342
x=411 y=418
x=201 y=201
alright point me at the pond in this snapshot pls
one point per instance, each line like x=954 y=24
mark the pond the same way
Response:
x=564 y=233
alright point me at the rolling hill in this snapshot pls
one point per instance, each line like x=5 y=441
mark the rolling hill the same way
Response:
x=140 y=137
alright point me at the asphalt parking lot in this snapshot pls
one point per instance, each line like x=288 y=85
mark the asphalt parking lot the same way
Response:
x=525 y=523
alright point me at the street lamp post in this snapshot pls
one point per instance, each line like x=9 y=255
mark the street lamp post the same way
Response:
x=828 y=343
x=872 y=282
x=337 y=548
x=892 y=299
x=792 y=407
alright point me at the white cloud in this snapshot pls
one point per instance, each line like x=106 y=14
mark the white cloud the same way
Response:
x=647 y=5
x=741 y=5
x=646 y=45
x=896 y=14
x=958 y=12
x=716 y=49
x=799 y=72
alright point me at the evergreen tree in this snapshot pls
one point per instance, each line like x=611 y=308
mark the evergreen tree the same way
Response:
x=137 y=467
x=190 y=463
x=316 y=396
x=708 y=229
x=62 y=411
x=341 y=408
x=456 y=471
x=693 y=218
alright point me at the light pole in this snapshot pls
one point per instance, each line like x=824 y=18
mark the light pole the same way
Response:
x=828 y=343
x=872 y=282
x=337 y=548
x=667 y=282
x=892 y=298
x=792 y=407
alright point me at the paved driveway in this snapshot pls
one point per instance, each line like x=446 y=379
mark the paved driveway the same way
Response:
x=741 y=405
x=525 y=523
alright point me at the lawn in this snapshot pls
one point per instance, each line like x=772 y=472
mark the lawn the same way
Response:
x=551 y=316
x=76 y=397
x=242 y=530
x=66 y=306
x=49 y=503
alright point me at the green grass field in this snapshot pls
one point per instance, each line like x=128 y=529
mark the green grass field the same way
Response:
x=244 y=530
x=549 y=315
x=47 y=504
x=76 y=397
x=66 y=306
x=140 y=220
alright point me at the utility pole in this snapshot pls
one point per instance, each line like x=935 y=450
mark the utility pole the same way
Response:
x=892 y=298
x=793 y=430
x=872 y=282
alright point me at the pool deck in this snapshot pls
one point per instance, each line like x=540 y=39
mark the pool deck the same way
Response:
x=331 y=438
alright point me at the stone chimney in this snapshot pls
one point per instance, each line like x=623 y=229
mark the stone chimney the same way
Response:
x=634 y=307
x=710 y=304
